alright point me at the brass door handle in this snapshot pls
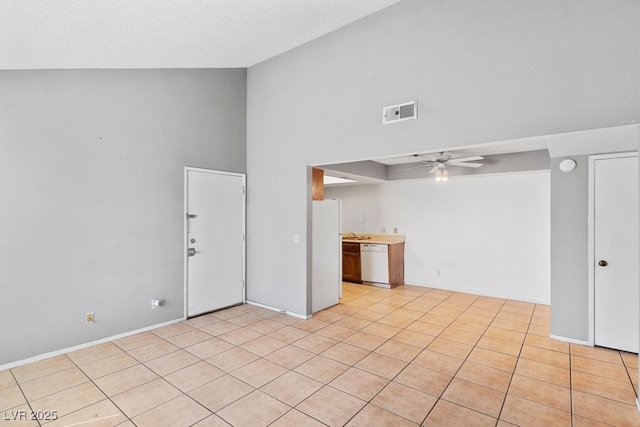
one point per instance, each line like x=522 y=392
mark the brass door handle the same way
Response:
x=192 y=252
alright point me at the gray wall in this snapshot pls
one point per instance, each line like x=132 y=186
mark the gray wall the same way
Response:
x=481 y=71
x=569 y=246
x=91 y=195
x=570 y=263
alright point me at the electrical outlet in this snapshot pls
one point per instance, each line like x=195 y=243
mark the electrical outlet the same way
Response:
x=155 y=303
x=91 y=317
x=438 y=272
x=395 y=230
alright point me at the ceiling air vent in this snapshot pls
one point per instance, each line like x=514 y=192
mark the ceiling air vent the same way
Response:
x=401 y=112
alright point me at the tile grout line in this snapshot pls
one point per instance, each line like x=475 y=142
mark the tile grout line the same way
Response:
x=350 y=366
x=515 y=367
x=449 y=326
x=27 y=401
x=371 y=351
x=98 y=387
x=184 y=393
x=438 y=398
x=626 y=367
x=458 y=370
x=239 y=367
x=139 y=362
x=465 y=360
x=270 y=381
x=402 y=370
x=611 y=379
x=291 y=408
x=572 y=418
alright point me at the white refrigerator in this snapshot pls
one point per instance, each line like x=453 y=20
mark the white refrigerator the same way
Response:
x=326 y=259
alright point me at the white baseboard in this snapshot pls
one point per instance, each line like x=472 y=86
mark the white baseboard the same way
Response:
x=279 y=310
x=638 y=404
x=571 y=340
x=85 y=345
x=490 y=295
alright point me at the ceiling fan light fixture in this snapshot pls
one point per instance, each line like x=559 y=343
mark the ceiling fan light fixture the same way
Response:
x=442 y=174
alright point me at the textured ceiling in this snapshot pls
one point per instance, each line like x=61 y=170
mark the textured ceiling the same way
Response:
x=43 y=34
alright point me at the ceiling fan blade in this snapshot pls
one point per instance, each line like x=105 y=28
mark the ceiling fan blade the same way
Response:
x=435 y=168
x=466 y=159
x=467 y=164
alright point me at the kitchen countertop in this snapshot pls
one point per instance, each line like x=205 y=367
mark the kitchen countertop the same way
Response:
x=379 y=239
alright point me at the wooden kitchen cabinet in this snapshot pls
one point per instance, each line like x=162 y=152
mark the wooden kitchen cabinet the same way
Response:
x=369 y=261
x=351 y=271
x=396 y=265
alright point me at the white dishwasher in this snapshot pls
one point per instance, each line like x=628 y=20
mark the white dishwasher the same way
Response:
x=374 y=262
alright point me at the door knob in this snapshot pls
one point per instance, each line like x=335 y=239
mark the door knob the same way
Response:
x=603 y=263
x=192 y=252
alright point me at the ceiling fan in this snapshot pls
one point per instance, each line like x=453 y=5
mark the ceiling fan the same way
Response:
x=441 y=161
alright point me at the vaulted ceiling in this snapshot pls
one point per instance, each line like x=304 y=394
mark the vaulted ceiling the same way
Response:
x=62 y=34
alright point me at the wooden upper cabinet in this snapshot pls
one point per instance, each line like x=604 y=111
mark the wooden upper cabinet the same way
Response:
x=317 y=184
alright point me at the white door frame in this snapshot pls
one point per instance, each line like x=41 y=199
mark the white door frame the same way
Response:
x=591 y=249
x=188 y=169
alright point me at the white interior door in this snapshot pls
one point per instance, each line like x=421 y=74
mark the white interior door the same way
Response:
x=616 y=253
x=215 y=207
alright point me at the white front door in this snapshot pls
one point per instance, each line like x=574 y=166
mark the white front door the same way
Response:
x=215 y=206
x=616 y=252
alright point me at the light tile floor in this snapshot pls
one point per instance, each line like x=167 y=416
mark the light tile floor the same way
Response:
x=403 y=357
